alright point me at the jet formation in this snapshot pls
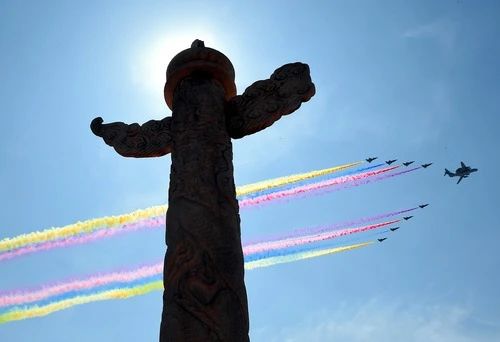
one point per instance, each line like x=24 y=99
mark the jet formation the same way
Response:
x=406 y=218
x=463 y=171
x=390 y=161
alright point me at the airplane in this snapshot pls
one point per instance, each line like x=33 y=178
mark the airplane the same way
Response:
x=423 y=205
x=394 y=229
x=463 y=172
x=380 y=240
x=389 y=162
x=371 y=159
x=406 y=218
x=425 y=166
x=408 y=163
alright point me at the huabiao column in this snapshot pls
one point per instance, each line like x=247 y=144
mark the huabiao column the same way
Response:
x=205 y=297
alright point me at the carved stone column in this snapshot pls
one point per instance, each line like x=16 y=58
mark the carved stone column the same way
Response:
x=205 y=297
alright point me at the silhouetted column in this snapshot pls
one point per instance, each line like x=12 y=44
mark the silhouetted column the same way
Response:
x=205 y=296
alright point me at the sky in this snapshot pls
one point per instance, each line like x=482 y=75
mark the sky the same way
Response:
x=399 y=80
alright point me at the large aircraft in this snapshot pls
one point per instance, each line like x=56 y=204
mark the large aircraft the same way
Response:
x=408 y=163
x=371 y=159
x=389 y=162
x=463 y=172
x=425 y=166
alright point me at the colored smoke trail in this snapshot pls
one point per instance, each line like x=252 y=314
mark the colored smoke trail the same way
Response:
x=79 y=285
x=23 y=245
x=281 y=259
x=345 y=172
x=317 y=188
x=299 y=190
x=88 y=226
x=266 y=247
x=120 y=293
x=281 y=181
x=251 y=252
x=394 y=174
x=116 y=222
x=131 y=291
x=334 y=184
x=371 y=179
x=320 y=229
x=155 y=222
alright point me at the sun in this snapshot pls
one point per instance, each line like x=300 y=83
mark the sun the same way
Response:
x=152 y=61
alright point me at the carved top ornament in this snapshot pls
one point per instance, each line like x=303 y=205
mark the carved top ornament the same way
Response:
x=199 y=59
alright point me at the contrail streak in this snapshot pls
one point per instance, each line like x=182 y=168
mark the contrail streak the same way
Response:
x=117 y=222
x=156 y=285
x=250 y=202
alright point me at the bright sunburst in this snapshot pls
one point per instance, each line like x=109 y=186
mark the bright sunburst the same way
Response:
x=153 y=60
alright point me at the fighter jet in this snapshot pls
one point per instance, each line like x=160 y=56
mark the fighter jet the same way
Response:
x=382 y=239
x=423 y=205
x=406 y=218
x=389 y=162
x=408 y=163
x=425 y=166
x=371 y=159
x=394 y=229
x=463 y=172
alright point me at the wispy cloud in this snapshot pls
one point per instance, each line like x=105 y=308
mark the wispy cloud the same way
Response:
x=443 y=31
x=379 y=321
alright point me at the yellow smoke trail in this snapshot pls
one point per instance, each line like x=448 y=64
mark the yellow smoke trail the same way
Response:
x=39 y=311
x=276 y=182
x=122 y=293
x=115 y=222
x=301 y=256
x=88 y=226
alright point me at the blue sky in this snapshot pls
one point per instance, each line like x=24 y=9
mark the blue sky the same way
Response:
x=409 y=81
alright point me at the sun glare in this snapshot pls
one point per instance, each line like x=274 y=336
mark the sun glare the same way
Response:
x=154 y=59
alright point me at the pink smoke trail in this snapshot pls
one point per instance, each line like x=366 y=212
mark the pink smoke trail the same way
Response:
x=299 y=190
x=156 y=269
x=364 y=181
x=155 y=222
x=376 y=179
x=336 y=226
x=302 y=240
x=337 y=188
x=79 y=285
x=159 y=221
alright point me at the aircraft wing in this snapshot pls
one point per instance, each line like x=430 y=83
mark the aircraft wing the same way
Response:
x=460 y=179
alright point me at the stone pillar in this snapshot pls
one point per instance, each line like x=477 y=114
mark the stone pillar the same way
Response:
x=205 y=297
